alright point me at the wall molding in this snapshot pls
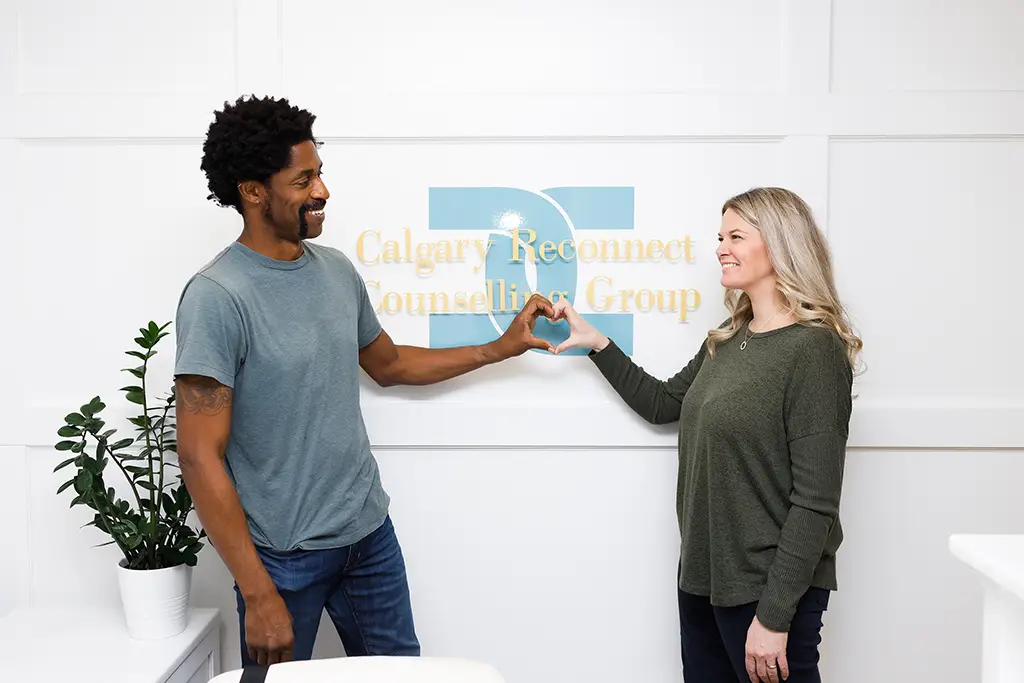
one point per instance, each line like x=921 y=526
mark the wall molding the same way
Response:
x=512 y=116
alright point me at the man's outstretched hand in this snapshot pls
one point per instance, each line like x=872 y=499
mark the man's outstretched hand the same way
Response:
x=519 y=337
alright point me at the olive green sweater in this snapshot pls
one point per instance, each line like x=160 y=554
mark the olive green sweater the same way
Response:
x=762 y=440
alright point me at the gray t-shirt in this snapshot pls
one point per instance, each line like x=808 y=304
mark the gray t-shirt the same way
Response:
x=285 y=336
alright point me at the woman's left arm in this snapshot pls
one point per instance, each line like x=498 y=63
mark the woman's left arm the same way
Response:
x=818 y=408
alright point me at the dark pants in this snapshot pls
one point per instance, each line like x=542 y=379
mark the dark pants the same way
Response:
x=714 y=639
x=363 y=587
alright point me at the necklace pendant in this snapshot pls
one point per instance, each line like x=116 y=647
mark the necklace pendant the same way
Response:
x=743 y=344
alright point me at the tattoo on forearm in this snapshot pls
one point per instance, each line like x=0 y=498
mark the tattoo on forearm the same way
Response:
x=204 y=396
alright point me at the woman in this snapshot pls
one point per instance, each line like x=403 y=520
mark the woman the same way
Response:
x=763 y=410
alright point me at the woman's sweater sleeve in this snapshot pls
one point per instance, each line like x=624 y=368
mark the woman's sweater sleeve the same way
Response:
x=657 y=401
x=817 y=413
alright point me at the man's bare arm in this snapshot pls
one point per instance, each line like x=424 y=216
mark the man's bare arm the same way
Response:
x=389 y=364
x=203 y=416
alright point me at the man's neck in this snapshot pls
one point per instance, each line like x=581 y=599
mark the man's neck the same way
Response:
x=262 y=240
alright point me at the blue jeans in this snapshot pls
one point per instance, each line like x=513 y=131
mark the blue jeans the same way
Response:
x=362 y=586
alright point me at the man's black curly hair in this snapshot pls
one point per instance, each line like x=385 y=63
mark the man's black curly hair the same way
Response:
x=251 y=140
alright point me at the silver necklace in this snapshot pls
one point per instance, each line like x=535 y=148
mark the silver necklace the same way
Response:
x=743 y=344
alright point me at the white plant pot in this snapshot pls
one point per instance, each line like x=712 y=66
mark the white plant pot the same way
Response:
x=155 y=601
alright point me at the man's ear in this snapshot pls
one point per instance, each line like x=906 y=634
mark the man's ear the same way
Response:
x=252 y=192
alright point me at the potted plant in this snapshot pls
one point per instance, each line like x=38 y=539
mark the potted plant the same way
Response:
x=150 y=528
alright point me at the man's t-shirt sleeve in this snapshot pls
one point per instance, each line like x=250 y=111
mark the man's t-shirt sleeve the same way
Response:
x=369 y=326
x=209 y=332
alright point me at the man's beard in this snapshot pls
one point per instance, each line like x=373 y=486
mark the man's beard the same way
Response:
x=268 y=213
x=303 y=225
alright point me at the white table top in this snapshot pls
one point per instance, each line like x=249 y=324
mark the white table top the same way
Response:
x=90 y=644
x=376 y=670
x=998 y=557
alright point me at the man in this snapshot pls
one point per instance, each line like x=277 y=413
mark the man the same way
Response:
x=270 y=338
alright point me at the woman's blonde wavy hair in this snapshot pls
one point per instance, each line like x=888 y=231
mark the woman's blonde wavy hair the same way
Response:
x=803 y=267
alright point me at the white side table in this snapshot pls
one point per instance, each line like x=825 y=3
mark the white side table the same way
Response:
x=89 y=644
x=377 y=670
x=999 y=561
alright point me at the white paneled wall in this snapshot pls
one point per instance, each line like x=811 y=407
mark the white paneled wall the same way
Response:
x=536 y=512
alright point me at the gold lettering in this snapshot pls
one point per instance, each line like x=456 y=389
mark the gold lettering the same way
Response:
x=444 y=252
x=360 y=247
x=654 y=250
x=671 y=306
x=501 y=296
x=561 y=250
x=424 y=264
x=684 y=303
x=482 y=247
x=392 y=307
x=583 y=250
x=490 y=295
x=592 y=296
x=409 y=298
x=434 y=298
x=544 y=251
x=392 y=253
x=625 y=294
x=526 y=246
x=478 y=302
x=640 y=300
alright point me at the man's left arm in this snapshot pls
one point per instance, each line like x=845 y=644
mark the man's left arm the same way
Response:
x=389 y=364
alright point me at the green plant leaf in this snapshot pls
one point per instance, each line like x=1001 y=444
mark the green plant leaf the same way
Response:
x=125 y=528
x=63 y=465
x=123 y=443
x=137 y=354
x=74 y=419
x=68 y=430
x=63 y=486
x=78 y=447
x=136 y=397
x=169 y=505
x=65 y=445
x=91 y=465
x=83 y=482
x=92 y=407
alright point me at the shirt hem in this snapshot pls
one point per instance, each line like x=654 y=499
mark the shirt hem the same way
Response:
x=333 y=542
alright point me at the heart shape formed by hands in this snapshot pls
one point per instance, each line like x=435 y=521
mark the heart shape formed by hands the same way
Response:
x=520 y=337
